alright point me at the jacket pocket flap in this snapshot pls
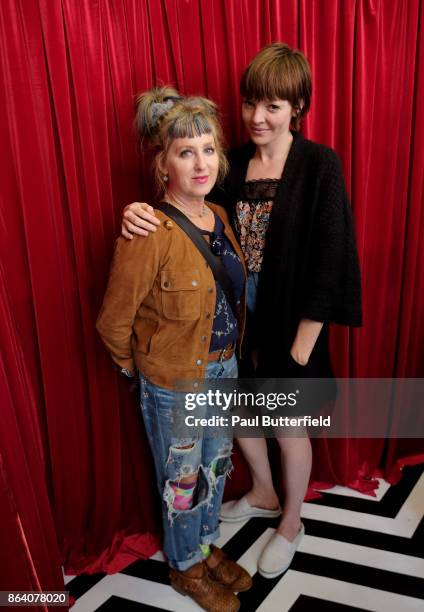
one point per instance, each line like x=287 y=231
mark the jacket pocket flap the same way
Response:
x=180 y=280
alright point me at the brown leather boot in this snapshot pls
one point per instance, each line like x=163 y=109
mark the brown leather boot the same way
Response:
x=208 y=594
x=227 y=572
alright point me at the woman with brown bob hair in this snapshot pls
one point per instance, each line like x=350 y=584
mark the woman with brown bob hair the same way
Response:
x=288 y=203
x=166 y=318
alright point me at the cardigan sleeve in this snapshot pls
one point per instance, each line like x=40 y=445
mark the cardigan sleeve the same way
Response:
x=332 y=282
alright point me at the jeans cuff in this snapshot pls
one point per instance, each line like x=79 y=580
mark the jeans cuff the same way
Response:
x=181 y=566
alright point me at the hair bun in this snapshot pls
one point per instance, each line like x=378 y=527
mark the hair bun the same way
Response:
x=159 y=109
x=152 y=105
x=205 y=105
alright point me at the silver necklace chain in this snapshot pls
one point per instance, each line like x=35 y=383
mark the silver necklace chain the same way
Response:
x=183 y=209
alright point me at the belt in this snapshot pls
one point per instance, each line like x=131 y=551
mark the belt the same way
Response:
x=223 y=354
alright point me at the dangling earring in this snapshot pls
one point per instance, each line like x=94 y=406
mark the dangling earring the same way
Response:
x=165 y=178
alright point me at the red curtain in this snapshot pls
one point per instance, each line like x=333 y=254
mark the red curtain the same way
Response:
x=70 y=70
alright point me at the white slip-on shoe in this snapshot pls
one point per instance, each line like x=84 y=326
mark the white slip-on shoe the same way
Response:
x=234 y=511
x=278 y=554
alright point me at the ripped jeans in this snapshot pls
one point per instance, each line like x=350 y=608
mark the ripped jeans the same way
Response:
x=175 y=458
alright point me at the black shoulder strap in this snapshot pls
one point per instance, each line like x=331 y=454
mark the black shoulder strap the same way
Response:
x=193 y=232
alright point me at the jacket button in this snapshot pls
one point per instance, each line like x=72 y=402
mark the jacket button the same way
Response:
x=166 y=284
x=210 y=289
x=194 y=283
x=208 y=315
x=199 y=362
x=203 y=338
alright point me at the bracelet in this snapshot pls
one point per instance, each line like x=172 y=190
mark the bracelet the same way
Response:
x=127 y=373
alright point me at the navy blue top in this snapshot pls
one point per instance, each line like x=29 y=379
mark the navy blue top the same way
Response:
x=225 y=328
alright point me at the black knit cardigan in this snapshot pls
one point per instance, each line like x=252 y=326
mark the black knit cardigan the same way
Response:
x=310 y=267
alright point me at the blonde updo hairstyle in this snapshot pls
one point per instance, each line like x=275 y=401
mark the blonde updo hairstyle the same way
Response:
x=279 y=72
x=162 y=115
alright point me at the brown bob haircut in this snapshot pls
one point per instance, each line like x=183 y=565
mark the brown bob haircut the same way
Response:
x=278 y=71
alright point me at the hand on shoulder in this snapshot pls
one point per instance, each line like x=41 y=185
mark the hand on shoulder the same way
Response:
x=138 y=218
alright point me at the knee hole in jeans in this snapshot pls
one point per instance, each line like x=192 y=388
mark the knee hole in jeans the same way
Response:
x=200 y=492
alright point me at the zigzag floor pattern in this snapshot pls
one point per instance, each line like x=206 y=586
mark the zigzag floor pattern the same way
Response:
x=358 y=554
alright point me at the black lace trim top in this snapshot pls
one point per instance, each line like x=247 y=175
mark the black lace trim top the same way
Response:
x=252 y=217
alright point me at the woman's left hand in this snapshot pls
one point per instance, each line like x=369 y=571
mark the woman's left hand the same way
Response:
x=299 y=356
x=306 y=336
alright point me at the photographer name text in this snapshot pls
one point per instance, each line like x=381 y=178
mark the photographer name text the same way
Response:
x=259 y=420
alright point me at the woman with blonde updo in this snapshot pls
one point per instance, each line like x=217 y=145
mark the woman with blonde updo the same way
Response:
x=166 y=318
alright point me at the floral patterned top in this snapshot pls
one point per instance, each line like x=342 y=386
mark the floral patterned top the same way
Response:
x=252 y=218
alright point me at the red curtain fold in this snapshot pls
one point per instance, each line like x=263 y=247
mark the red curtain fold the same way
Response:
x=70 y=70
x=29 y=554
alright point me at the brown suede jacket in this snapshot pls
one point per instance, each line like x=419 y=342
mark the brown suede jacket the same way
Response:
x=158 y=310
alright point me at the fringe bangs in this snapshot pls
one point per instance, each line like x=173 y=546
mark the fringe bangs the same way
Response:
x=189 y=125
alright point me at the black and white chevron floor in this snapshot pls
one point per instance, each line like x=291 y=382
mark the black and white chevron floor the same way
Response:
x=359 y=553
